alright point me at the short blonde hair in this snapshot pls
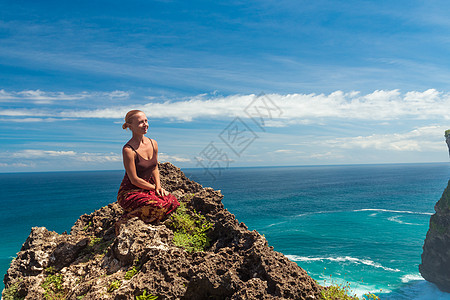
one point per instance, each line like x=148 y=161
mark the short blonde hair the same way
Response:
x=129 y=117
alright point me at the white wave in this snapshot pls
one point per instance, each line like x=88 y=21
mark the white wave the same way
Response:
x=395 y=219
x=394 y=211
x=375 y=210
x=342 y=259
x=319 y=212
x=411 y=277
x=302 y=258
x=275 y=224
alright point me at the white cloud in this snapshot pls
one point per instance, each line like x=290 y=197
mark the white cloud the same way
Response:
x=17 y=165
x=287 y=109
x=24 y=113
x=42 y=97
x=379 y=105
x=32 y=153
x=117 y=94
x=428 y=138
x=285 y=151
x=98 y=157
x=34 y=120
x=165 y=157
x=84 y=156
x=328 y=154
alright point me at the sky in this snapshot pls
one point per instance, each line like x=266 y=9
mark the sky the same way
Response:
x=224 y=83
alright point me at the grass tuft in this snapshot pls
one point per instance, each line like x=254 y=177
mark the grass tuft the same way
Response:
x=131 y=272
x=343 y=292
x=190 y=230
x=146 y=296
x=53 y=287
x=12 y=292
x=87 y=226
x=114 y=285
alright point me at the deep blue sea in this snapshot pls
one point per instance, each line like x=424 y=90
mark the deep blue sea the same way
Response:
x=362 y=225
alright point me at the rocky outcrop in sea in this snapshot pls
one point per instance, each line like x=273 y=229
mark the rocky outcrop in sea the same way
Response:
x=447 y=139
x=143 y=261
x=435 y=266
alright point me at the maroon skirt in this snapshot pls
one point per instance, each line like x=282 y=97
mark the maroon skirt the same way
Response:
x=144 y=204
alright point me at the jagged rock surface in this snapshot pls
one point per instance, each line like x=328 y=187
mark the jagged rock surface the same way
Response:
x=435 y=264
x=238 y=265
x=447 y=139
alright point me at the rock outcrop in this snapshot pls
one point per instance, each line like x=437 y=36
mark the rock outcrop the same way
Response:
x=93 y=263
x=447 y=139
x=435 y=266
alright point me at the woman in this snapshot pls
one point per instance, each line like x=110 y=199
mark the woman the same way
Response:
x=140 y=193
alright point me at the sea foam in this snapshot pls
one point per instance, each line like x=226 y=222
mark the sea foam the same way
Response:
x=411 y=277
x=341 y=259
x=393 y=211
x=395 y=219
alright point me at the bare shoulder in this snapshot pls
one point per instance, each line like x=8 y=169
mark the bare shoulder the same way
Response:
x=127 y=150
x=155 y=144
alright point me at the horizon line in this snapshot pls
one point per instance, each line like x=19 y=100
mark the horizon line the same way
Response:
x=243 y=167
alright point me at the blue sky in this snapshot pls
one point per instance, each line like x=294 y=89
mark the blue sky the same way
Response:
x=349 y=82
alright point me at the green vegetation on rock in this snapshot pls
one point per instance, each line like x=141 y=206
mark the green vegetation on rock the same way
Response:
x=53 y=287
x=12 y=292
x=87 y=226
x=96 y=245
x=146 y=296
x=131 y=272
x=114 y=285
x=335 y=292
x=95 y=241
x=447 y=133
x=190 y=229
x=50 y=270
x=342 y=292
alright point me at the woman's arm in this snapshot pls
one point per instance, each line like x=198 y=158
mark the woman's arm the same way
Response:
x=159 y=190
x=130 y=167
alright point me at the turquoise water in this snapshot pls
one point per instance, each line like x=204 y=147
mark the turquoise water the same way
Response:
x=54 y=200
x=363 y=225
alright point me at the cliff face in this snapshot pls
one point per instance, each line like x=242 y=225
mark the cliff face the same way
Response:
x=435 y=266
x=92 y=263
x=447 y=139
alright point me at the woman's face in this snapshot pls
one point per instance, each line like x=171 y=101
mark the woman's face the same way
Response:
x=139 y=123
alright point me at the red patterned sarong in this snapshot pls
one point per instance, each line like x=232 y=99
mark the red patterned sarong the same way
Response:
x=144 y=204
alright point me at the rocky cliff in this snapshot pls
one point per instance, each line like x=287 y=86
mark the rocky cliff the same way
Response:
x=435 y=266
x=447 y=139
x=143 y=261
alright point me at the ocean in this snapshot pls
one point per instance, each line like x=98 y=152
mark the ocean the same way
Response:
x=362 y=226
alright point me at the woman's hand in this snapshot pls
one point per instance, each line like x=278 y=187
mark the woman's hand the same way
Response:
x=161 y=192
